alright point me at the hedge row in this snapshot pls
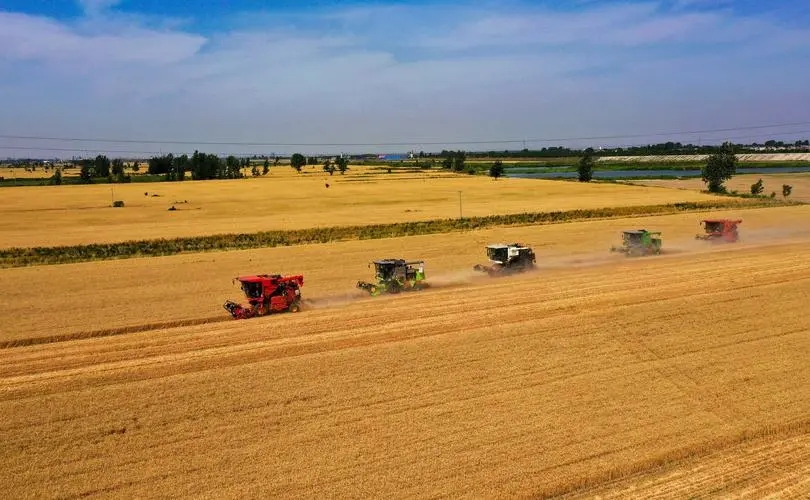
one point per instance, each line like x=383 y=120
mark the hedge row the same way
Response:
x=19 y=257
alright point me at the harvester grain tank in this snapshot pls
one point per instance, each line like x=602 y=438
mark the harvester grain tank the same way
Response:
x=639 y=242
x=267 y=294
x=507 y=259
x=395 y=276
x=720 y=230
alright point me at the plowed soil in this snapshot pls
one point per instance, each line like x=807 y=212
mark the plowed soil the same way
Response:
x=547 y=383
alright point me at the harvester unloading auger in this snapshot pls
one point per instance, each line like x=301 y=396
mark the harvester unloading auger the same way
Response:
x=507 y=259
x=720 y=230
x=394 y=276
x=267 y=294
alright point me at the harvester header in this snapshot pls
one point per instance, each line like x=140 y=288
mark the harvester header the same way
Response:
x=267 y=294
x=639 y=242
x=507 y=258
x=394 y=276
x=720 y=230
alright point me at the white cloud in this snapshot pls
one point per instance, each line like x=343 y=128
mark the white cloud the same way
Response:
x=530 y=73
x=27 y=37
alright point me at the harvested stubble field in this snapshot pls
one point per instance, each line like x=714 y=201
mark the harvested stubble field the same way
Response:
x=742 y=183
x=139 y=293
x=77 y=214
x=524 y=386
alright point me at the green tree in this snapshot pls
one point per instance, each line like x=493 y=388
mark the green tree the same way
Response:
x=786 y=190
x=496 y=170
x=342 y=164
x=179 y=166
x=56 y=178
x=719 y=168
x=585 y=166
x=86 y=172
x=266 y=167
x=233 y=168
x=757 y=188
x=328 y=166
x=117 y=167
x=297 y=161
x=101 y=166
x=254 y=170
x=136 y=167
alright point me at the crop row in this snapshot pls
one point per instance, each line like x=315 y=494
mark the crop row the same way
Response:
x=20 y=257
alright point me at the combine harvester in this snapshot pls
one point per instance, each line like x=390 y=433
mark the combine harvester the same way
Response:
x=720 y=230
x=267 y=294
x=394 y=276
x=507 y=259
x=639 y=242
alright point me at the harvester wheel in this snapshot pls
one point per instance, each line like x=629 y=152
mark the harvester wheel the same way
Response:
x=295 y=307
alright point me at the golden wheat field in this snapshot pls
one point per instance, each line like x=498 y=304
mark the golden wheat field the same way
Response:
x=75 y=214
x=86 y=298
x=772 y=183
x=558 y=381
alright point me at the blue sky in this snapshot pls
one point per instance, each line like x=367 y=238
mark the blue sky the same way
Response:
x=419 y=73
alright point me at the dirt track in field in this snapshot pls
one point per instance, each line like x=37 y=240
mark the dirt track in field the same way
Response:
x=536 y=384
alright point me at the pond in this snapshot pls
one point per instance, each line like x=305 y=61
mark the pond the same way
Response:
x=624 y=174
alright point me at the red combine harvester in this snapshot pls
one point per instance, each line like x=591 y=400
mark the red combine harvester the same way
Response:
x=267 y=294
x=720 y=230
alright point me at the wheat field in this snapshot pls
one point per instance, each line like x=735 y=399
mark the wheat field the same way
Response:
x=88 y=298
x=79 y=214
x=548 y=383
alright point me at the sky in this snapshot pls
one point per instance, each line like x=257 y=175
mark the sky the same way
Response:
x=249 y=77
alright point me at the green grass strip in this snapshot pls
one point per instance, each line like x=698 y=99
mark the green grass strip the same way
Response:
x=21 y=257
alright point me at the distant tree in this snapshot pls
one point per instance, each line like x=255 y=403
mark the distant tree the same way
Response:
x=312 y=160
x=233 y=168
x=297 y=161
x=161 y=165
x=136 y=167
x=86 y=172
x=496 y=170
x=342 y=164
x=101 y=166
x=757 y=188
x=255 y=170
x=585 y=166
x=179 y=166
x=276 y=161
x=328 y=166
x=786 y=190
x=117 y=167
x=266 y=167
x=56 y=178
x=458 y=161
x=720 y=167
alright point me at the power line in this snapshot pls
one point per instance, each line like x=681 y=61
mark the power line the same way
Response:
x=409 y=143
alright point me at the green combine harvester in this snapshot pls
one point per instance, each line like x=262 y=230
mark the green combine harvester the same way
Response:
x=639 y=242
x=395 y=276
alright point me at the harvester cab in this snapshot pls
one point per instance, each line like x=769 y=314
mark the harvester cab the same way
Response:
x=720 y=230
x=508 y=259
x=267 y=294
x=639 y=242
x=394 y=276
